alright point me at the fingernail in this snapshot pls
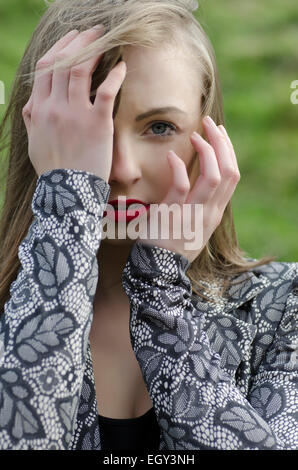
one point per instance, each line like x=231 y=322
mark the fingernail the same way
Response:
x=222 y=128
x=99 y=27
x=171 y=154
x=195 y=135
x=208 y=120
x=122 y=65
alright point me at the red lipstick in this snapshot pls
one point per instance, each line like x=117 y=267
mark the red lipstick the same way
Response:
x=121 y=206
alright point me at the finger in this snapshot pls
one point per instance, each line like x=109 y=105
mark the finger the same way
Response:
x=180 y=187
x=224 y=158
x=231 y=147
x=43 y=81
x=209 y=179
x=229 y=189
x=219 y=143
x=28 y=106
x=26 y=113
x=27 y=121
x=76 y=80
x=107 y=91
x=224 y=197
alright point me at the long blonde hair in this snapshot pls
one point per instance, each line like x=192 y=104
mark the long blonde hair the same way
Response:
x=148 y=23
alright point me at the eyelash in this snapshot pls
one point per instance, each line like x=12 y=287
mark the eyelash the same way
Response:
x=161 y=136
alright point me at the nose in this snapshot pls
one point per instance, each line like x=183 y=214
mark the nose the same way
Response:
x=126 y=168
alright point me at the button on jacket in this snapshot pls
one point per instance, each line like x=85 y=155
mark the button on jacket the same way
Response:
x=221 y=375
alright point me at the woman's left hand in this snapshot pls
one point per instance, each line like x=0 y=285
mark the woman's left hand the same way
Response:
x=219 y=176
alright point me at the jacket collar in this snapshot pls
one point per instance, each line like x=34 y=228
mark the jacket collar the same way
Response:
x=247 y=286
x=230 y=332
x=250 y=286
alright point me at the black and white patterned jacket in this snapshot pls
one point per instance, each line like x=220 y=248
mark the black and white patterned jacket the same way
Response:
x=220 y=375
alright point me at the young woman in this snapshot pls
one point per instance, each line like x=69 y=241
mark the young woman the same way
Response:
x=133 y=343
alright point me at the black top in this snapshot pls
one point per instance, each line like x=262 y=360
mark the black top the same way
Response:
x=132 y=433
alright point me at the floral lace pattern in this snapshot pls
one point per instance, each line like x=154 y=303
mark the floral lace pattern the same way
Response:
x=221 y=375
x=45 y=326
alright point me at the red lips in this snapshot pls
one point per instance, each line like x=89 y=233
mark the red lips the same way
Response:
x=121 y=203
x=121 y=207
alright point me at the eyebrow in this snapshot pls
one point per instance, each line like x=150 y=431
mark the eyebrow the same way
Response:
x=154 y=111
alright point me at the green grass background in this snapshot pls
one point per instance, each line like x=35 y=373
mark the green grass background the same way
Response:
x=256 y=48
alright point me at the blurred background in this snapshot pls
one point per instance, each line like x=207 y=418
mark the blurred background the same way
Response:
x=256 y=48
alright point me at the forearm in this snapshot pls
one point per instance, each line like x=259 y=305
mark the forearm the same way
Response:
x=46 y=322
x=198 y=404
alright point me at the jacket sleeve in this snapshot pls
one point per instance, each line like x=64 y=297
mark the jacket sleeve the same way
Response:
x=274 y=388
x=45 y=325
x=172 y=348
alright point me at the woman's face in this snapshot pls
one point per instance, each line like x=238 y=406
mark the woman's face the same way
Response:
x=155 y=79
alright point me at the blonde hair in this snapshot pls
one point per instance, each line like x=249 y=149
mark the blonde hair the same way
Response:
x=147 y=23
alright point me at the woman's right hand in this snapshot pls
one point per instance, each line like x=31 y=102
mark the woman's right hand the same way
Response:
x=65 y=130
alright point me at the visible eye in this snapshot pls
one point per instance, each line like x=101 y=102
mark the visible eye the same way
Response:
x=161 y=126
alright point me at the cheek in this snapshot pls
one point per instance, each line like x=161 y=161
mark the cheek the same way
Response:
x=161 y=178
x=163 y=174
x=160 y=171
